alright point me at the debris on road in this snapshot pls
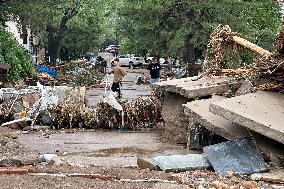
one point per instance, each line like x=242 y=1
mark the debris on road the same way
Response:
x=239 y=156
x=178 y=163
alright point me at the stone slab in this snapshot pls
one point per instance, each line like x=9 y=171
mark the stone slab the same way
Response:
x=262 y=112
x=238 y=155
x=198 y=110
x=192 y=88
x=275 y=176
x=178 y=163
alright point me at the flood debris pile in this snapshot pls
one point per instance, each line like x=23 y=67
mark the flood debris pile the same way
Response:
x=80 y=77
x=143 y=112
x=268 y=66
x=71 y=74
x=72 y=113
x=65 y=107
x=239 y=134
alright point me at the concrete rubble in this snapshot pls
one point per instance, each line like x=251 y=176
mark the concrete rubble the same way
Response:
x=200 y=117
x=198 y=108
x=261 y=112
x=177 y=163
x=239 y=156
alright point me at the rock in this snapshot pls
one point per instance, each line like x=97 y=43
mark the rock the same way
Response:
x=220 y=185
x=10 y=161
x=148 y=163
x=250 y=185
x=13 y=135
x=12 y=145
x=30 y=159
x=246 y=87
x=275 y=176
x=51 y=159
x=182 y=162
x=201 y=187
x=239 y=156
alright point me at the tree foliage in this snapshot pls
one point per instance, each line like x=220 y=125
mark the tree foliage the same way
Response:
x=12 y=53
x=182 y=27
x=71 y=25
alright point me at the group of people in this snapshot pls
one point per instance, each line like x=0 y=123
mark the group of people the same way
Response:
x=154 y=68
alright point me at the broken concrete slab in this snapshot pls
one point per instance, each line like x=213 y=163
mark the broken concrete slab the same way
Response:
x=191 y=88
x=262 y=112
x=199 y=114
x=274 y=176
x=178 y=163
x=239 y=156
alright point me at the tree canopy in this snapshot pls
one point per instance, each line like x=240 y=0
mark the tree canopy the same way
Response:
x=182 y=27
x=177 y=28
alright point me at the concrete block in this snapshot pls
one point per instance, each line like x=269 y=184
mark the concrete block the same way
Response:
x=178 y=163
x=239 y=156
x=199 y=115
x=192 y=88
x=262 y=112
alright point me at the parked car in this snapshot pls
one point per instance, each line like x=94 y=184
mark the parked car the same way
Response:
x=130 y=60
x=99 y=64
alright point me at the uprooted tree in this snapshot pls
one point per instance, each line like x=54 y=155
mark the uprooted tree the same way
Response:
x=268 y=65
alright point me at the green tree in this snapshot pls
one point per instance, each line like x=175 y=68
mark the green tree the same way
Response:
x=12 y=53
x=61 y=24
x=182 y=27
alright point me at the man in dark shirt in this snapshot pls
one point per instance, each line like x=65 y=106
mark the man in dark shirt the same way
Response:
x=154 y=68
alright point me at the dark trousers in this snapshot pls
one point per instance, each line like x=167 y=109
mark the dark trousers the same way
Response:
x=116 y=88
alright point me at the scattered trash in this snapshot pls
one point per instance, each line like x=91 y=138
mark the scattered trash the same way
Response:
x=51 y=159
x=239 y=156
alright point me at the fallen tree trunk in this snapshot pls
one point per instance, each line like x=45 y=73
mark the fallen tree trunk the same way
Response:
x=251 y=46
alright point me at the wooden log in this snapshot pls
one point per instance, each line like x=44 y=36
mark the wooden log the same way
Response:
x=251 y=46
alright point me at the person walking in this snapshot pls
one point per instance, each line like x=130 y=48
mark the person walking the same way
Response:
x=119 y=73
x=154 y=68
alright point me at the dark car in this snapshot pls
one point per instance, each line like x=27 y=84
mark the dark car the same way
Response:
x=98 y=63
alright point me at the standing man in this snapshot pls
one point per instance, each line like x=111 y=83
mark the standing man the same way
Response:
x=154 y=68
x=118 y=74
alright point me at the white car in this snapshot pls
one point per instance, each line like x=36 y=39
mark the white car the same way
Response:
x=130 y=60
